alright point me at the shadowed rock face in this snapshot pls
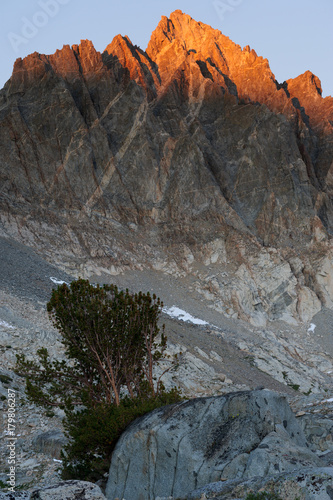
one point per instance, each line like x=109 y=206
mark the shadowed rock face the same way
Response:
x=189 y=141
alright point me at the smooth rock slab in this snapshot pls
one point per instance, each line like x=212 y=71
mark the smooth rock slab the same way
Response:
x=179 y=448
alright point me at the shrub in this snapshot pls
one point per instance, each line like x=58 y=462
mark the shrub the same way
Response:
x=5 y=379
x=264 y=495
x=94 y=433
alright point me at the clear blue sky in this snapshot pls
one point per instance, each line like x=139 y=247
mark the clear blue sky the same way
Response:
x=294 y=35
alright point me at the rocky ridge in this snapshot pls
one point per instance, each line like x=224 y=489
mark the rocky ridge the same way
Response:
x=234 y=167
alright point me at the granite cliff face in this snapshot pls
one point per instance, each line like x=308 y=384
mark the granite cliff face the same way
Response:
x=189 y=154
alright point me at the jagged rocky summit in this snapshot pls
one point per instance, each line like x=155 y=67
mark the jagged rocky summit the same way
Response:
x=188 y=153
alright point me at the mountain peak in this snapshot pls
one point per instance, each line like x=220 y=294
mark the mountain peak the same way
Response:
x=307 y=83
x=209 y=59
x=179 y=154
x=306 y=92
x=135 y=61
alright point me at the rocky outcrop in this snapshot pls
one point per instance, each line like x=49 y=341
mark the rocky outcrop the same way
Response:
x=306 y=92
x=151 y=158
x=183 y=447
x=69 y=489
x=50 y=443
x=65 y=490
x=310 y=483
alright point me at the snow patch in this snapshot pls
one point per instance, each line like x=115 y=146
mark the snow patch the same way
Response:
x=175 y=312
x=58 y=461
x=328 y=400
x=6 y=325
x=311 y=328
x=58 y=282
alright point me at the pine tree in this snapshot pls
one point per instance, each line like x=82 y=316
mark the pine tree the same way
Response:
x=112 y=344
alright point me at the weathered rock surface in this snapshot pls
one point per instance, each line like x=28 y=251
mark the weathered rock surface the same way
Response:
x=69 y=489
x=66 y=490
x=50 y=443
x=308 y=484
x=22 y=495
x=177 y=449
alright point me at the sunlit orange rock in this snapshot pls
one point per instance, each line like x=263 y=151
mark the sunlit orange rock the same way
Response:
x=26 y=71
x=69 y=63
x=194 y=59
x=180 y=42
x=306 y=92
x=135 y=60
x=202 y=53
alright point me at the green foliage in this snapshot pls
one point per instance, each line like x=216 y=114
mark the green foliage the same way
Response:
x=95 y=431
x=262 y=495
x=5 y=379
x=294 y=386
x=107 y=378
x=110 y=340
x=50 y=383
